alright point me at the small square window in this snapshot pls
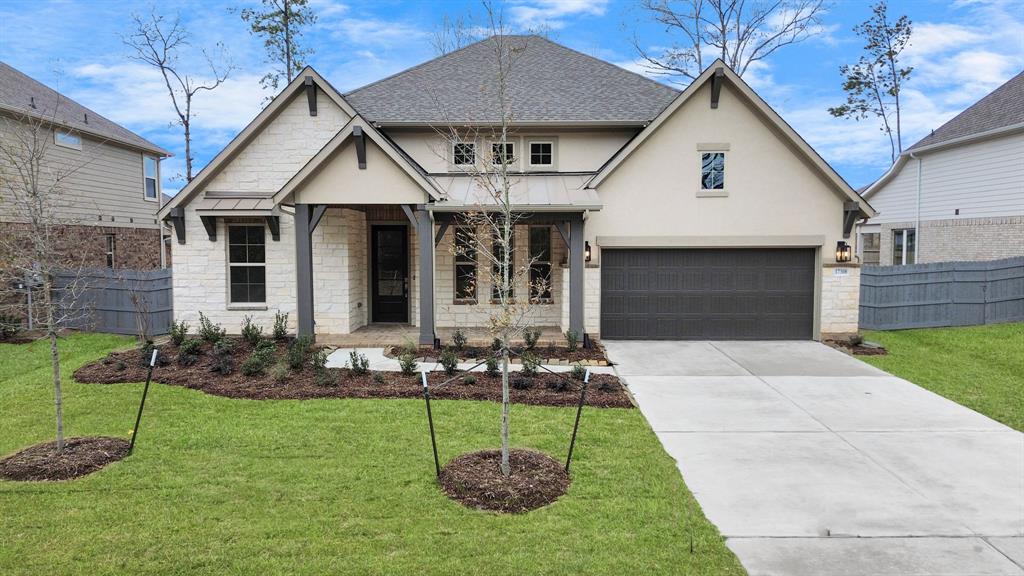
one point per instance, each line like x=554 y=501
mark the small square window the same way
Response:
x=542 y=153
x=712 y=171
x=503 y=153
x=464 y=153
x=67 y=139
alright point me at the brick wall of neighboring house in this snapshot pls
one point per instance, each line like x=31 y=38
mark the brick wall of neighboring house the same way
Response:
x=134 y=248
x=969 y=239
x=840 y=299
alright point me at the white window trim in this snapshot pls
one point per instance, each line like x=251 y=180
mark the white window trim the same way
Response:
x=703 y=192
x=110 y=249
x=57 y=141
x=476 y=154
x=903 y=255
x=156 y=168
x=516 y=156
x=231 y=305
x=554 y=153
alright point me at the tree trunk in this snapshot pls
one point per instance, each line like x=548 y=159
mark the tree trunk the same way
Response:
x=506 y=468
x=51 y=331
x=287 y=43
x=188 y=151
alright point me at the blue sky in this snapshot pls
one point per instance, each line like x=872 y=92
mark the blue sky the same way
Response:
x=961 y=51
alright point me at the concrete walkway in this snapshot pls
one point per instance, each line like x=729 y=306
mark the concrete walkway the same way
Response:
x=813 y=463
x=378 y=361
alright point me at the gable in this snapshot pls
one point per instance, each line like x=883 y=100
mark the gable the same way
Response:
x=339 y=180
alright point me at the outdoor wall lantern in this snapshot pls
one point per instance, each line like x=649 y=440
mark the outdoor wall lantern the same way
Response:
x=843 y=252
x=586 y=251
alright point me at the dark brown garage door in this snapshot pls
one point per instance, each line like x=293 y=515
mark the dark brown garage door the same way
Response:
x=707 y=294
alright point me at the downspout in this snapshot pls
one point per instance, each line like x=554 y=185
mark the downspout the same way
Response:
x=917 y=222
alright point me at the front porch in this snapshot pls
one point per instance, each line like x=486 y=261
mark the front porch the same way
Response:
x=382 y=335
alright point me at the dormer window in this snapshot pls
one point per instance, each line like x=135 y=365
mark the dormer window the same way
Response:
x=464 y=153
x=503 y=153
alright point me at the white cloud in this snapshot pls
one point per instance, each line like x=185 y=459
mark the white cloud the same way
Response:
x=550 y=13
x=375 y=32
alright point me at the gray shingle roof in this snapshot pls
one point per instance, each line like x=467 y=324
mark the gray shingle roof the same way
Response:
x=549 y=83
x=18 y=90
x=1003 y=107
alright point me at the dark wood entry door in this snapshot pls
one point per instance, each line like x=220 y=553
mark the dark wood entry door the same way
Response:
x=390 y=273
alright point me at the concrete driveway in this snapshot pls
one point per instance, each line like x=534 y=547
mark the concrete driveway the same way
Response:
x=814 y=463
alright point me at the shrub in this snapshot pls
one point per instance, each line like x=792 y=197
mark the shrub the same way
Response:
x=10 y=325
x=224 y=348
x=298 y=352
x=279 y=373
x=280 y=326
x=578 y=372
x=319 y=359
x=265 y=349
x=572 y=340
x=469 y=380
x=608 y=385
x=251 y=332
x=531 y=336
x=179 y=331
x=378 y=378
x=459 y=339
x=856 y=340
x=491 y=368
x=187 y=359
x=359 y=362
x=146 y=352
x=325 y=377
x=253 y=365
x=496 y=344
x=209 y=331
x=521 y=383
x=449 y=360
x=558 y=384
x=120 y=366
x=223 y=365
x=407 y=361
x=530 y=364
x=190 y=346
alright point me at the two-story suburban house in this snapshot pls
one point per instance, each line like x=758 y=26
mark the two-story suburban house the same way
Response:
x=958 y=194
x=109 y=176
x=653 y=213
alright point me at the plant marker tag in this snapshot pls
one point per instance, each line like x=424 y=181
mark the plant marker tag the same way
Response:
x=586 y=377
x=423 y=373
x=152 y=361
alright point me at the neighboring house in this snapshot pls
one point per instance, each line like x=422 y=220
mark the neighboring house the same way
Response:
x=655 y=213
x=112 y=186
x=958 y=194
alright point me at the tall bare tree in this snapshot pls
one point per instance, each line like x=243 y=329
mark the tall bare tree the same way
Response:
x=453 y=33
x=740 y=32
x=156 y=41
x=874 y=83
x=280 y=23
x=36 y=250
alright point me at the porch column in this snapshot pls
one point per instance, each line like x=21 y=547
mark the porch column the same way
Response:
x=304 y=268
x=576 y=264
x=425 y=235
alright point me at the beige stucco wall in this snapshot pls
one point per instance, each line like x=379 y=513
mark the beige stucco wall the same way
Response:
x=341 y=181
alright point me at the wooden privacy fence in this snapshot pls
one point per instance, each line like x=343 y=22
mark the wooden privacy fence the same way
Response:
x=104 y=300
x=942 y=294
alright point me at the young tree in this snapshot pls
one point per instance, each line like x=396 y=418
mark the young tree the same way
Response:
x=873 y=84
x=35 y=249
x=452 y=34
x=280 y=24
x=740 y=32
x=156 y=41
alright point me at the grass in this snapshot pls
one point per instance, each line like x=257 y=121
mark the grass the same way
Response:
x=222 y=486
x=981 y=367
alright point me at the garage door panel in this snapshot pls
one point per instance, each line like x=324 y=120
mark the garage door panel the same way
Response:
x=707 y=293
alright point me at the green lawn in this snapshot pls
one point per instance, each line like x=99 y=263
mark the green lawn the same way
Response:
x=222 y=486
x=981 y=367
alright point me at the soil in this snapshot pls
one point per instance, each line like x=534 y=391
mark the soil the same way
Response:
x=80 y=456
x=544 y=389
x=475 y=480
x=595 y=352
x=857 y=349
x=17 y=340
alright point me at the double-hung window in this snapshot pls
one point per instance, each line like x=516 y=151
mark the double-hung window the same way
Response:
x=464 y=153
x=903 y=246
x=712 y=171
x=465 y=264
x=503 y=153
x=149 y=177
x=540 y=263
x=542 y=154
x=247 y=264
x=498 y=267
x=110 y=241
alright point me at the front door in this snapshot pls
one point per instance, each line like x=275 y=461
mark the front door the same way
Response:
x=390 y=273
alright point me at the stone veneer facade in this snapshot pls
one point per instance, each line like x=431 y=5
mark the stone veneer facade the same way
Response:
x=969 y=239
x=840 y=299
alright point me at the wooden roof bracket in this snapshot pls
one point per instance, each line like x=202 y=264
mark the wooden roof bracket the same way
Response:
x=360 y=138
x=850 y=212
x=311 y=95
x=716 y=86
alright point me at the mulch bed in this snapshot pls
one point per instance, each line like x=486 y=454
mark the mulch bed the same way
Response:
x=604 y=390
x=475 y=480
x=469 y=353
x=857 y=349
x=17 y=340
x=80 y=456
